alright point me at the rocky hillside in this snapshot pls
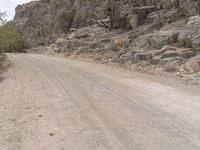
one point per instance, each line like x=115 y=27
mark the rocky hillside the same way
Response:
x=39 y=21
x=146 y=32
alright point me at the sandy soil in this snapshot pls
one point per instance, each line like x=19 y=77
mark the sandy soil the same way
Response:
x=51 y=103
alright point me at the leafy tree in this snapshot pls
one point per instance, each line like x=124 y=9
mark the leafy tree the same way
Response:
x=2 y=56
x=10 y=40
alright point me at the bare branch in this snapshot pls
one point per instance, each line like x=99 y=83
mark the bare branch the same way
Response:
x=3 y=19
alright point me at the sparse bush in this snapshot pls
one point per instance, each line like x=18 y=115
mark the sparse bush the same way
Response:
x=66 y=19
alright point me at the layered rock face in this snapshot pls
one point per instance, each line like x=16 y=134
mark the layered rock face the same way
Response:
x=139 y=12
x=40 y=21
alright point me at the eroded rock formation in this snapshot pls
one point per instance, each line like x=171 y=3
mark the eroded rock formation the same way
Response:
x=40 y=21
x=154 y=32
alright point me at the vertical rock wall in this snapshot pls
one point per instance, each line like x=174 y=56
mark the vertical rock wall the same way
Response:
x=40 y=21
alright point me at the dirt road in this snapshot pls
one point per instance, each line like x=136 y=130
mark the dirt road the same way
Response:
x=50 y=103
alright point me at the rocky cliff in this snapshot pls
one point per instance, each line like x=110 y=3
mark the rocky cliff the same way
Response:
x=40 y=21
x=147 y=32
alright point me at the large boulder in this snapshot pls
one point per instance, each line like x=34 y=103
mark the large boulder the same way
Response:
x=171 y=54
x=153 y=41
x=193 y=64
x=162 y=38
x=189 y=35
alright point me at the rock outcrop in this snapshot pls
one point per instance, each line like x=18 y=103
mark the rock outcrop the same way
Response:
x=193 y=64
x=40 y=21
x=189 y=35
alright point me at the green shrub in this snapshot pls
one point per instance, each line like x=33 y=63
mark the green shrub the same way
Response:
x=10 y=40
